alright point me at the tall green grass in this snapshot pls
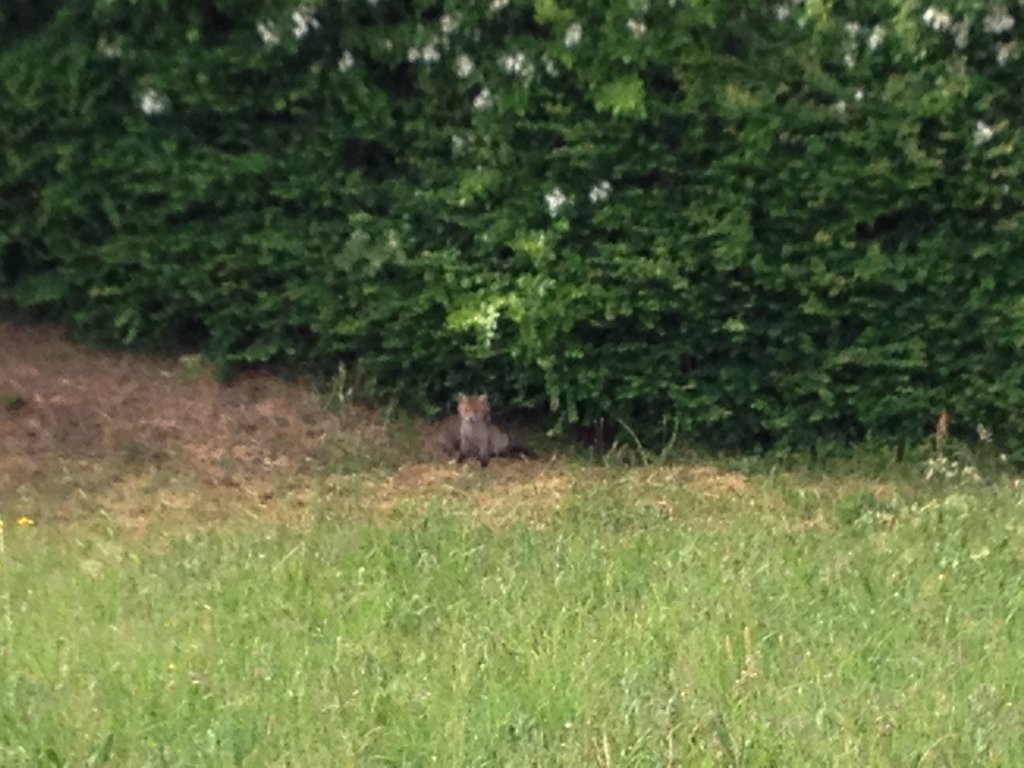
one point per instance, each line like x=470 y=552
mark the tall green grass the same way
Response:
x=720 y=633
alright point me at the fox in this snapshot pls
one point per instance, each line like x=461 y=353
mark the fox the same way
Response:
x=469 y=433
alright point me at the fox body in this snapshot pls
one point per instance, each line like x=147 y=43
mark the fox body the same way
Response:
x=476 y=433
x=469 y=434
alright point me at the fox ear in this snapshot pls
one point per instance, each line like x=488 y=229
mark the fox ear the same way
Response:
x=460 y=397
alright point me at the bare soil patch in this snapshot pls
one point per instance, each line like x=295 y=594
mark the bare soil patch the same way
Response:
x=65 y=403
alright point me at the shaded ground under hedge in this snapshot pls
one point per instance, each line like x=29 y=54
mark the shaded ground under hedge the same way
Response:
x=63 y=402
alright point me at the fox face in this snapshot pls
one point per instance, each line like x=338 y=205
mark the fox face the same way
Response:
x=474 y=408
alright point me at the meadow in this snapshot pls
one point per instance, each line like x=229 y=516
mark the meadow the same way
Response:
x=546 y=613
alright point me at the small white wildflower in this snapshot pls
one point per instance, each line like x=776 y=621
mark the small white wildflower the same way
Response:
x=840 y=107
x=413 y=55
x=600 y=192
x=108 y=49
x=636 y=28
x=781 y=11
x=1002 y=457
x=268 y=33
x=516 y=64
x=877 y=37
x=554 y=200
x=346 y=62
x=550 y=67
x=936 y=19
x=303 y=21
x=153 y=103
x=458 y=143
x=430 y=52
x=850 y=46
x=449 y=23
x=464 y=66
x=1005 y=52
x=983 y=132
x=498 y=5
x=984 y=433
x=573 y=34
x=858 y=95
x=961 y=33
x=483 y=100
x=998 y=20
x=929 y=469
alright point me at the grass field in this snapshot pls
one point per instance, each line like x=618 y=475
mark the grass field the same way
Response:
x=534 y=614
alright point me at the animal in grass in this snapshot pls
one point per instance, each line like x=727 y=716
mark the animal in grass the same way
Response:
x=470 y=434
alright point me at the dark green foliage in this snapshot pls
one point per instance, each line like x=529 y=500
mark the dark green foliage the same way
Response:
x=778 y=223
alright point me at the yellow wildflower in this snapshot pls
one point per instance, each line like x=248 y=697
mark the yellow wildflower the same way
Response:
x=24 y=521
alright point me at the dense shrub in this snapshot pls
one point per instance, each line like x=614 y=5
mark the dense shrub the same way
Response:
x=745 y=222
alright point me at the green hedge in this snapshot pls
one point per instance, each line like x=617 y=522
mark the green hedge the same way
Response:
x=748 y=222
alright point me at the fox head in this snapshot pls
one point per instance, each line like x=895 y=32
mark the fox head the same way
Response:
x=474 y=408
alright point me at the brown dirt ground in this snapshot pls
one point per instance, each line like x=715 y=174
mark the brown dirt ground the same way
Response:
x=83 y=405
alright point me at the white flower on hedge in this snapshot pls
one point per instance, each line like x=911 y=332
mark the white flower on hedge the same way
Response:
x=858 y=95
x=961 y=32
x=516 y=64
x=152 y=102
x=877 y=37
x=449 y=23
x=636 y=27
x=464 y=66
x=984 y=433
x=555 y=200
x=983 y=133
x=600 y=192
x=498 y=5
x=573 y=34
x=550 y=67
x=936 y=19
x=998 y=19
x=840 y=107
x=458 y=142
x=430 y=52
x=850 y=45
x=303 y=21
x=268 y=33
x=483 y=100
x=108 y=49
x=1005 y=53
x=782 y=11
x=346 y=62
